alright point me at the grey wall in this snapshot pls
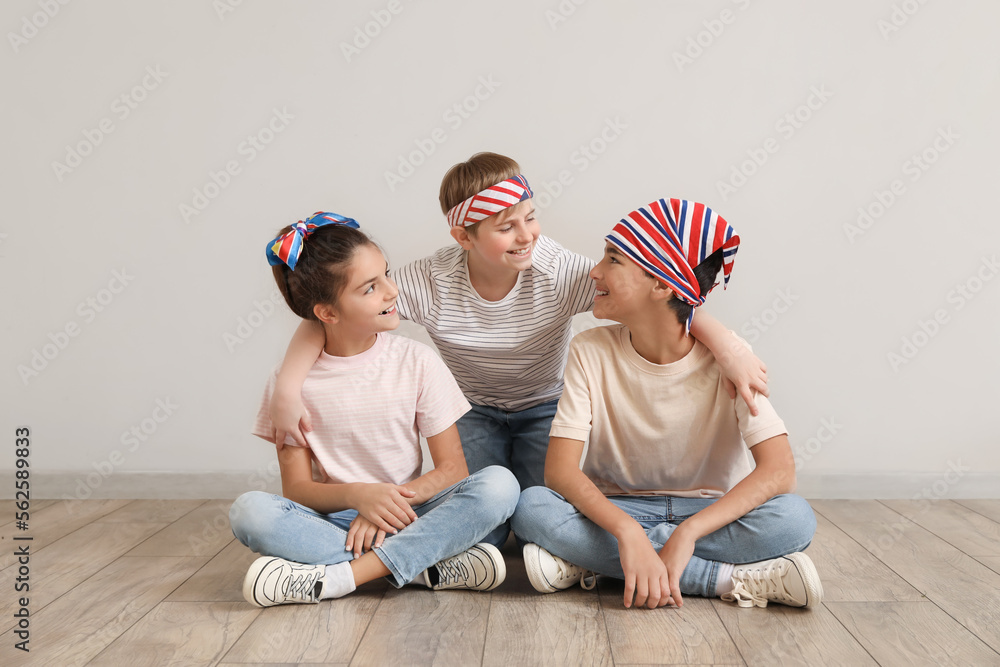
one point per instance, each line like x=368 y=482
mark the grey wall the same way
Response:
x=151 y=149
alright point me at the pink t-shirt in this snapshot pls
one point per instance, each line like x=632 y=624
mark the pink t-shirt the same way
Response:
x=369 y=411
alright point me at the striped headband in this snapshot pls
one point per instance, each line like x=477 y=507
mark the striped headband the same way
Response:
x=490 y=201
x=670 y=237
x=287 y=248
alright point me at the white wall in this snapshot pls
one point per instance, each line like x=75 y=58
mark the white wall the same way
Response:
x=601 y=74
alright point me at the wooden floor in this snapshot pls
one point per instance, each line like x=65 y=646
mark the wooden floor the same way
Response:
x=149 y=582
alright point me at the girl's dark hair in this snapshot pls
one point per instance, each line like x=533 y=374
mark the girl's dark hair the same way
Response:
x=321 y=270
x=706 y=273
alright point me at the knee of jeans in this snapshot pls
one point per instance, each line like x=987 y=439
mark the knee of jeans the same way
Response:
x=502 y=489
x=798 y=519
x=253 y=514
x=532 y=508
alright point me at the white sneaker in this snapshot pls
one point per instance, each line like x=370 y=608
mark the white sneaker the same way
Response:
x=271 y=581
x=790 y=580
x=479 y=568
x=548 y=573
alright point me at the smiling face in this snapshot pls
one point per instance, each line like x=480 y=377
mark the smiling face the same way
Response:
x=505 y=240
x=367 y=303
x=624 y=290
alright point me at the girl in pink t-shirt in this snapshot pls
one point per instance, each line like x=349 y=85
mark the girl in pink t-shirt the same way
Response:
x=373 y=514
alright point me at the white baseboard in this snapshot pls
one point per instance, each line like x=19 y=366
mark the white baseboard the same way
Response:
x=147 y=485
x=899 y=485
x=67 y=485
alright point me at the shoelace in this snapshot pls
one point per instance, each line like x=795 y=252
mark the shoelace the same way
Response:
x=302 y=586
x=452 y=571
x=756 y=586
x=565 y=571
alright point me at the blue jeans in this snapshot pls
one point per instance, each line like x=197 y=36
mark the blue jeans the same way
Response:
x=783 y=525
x=447 y=524
x=517 y=441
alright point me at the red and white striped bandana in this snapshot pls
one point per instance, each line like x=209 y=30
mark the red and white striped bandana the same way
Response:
x=670 y=237
x=490 y=201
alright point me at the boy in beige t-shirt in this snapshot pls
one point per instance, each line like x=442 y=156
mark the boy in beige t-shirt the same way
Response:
x=667 y=499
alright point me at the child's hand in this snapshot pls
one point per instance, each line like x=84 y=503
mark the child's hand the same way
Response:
x=289 y=417
x=645 y=574
x=744 y=372
x=385 y=505
x=363 y=536
x=676 y=554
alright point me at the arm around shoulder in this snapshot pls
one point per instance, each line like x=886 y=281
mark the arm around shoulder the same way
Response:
x=287 y=412
x=744 y=372
x=303 y=350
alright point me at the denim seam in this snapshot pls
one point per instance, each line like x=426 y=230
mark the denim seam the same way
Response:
x=713 y=574
x=317 y=519
x=387 y=561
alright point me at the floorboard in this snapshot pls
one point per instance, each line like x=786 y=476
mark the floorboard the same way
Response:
x=204 y=531
x=221 y=580
x=417 y=626
x=956 y=524
x=992 y=562
x=850 y=573
x=150 y=582
x=964 y=588
x=153 y=511
x=180 y=633
x=56 y=521
x=111 y=601
x=778 y=635
x=988 y=508
x=912 y=633
x=529 y=628
x=693 y=634
x=70 y=561
x=327 y=632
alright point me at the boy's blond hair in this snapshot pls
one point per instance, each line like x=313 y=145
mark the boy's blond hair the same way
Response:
x=466 y=179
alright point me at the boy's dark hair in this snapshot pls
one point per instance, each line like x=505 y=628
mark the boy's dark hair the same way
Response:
x=706 y=273
x=321 y=270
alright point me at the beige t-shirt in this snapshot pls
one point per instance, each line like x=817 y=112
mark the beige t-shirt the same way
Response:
x=657 y=429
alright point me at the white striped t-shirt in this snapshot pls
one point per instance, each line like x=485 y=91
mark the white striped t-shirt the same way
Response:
x=508 y=354
x=369 y=411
